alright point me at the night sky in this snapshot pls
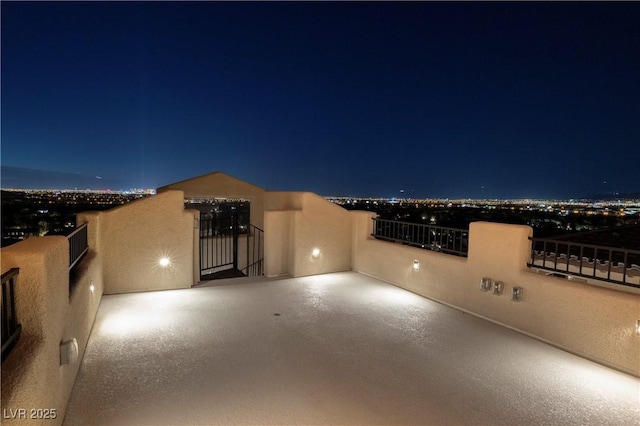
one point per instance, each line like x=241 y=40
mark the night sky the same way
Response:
x=479 y=100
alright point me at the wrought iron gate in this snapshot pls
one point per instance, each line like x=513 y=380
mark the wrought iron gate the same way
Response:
x=221 y=239
x=218 y=244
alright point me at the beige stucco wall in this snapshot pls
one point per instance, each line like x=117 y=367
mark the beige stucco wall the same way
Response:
x=277 y=243
x=296 y=223
x=594 y=322
x=221 y=185
x=134 y=237
x=32 y=376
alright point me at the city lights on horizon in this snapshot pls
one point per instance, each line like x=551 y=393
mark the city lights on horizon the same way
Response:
x=132 y=191
x=464 y=202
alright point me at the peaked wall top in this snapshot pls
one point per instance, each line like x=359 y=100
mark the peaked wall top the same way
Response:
x=221 y=185
x=216 y=184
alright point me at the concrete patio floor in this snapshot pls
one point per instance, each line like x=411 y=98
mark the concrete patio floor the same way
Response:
x=332 y=349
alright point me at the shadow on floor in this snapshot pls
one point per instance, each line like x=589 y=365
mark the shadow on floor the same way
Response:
x=227 y=273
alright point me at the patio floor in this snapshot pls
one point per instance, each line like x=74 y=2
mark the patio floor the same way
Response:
x=332 y=349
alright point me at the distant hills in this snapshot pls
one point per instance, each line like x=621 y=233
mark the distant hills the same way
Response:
x=24 y=178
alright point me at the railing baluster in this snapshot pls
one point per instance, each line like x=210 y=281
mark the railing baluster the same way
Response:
x=447 y=240
x=255 y=264
x=11 y=329
x=597 y=253
x=78 y=245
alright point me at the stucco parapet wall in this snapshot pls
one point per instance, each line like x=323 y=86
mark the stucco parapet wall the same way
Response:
x=220 y=185
x=283 y=200
x=296 y=200
x=31 y=375
x=299 y=224
x=438 y=275
x=594 y=322
x=326 y=227
x=135 y=236
x=41 y=260
x=213 y=184
x=510 y=242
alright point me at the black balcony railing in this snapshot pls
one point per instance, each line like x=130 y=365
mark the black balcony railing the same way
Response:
x=255 y=252
x=10 y=327
x=78 y=245
x=611 y=264
x=436 y=238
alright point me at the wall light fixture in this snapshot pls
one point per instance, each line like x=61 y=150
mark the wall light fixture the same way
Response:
x=498 y=287
x=485 y=284
x=517 y=293
x=416 y=264
x=164 y=261
x=68 y=352
x=315 y=253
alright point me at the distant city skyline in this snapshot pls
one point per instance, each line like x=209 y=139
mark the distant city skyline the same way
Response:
x=506 y=100
x=15 y=178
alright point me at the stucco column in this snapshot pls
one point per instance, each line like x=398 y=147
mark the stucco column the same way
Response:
x=498 y=249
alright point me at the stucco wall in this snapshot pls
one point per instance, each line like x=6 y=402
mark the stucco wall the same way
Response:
x=324 y=226
x=277 y=243
x=221 y=185
x=32 y=376
x=134 y=237
x=594 y=322
x=296 y=223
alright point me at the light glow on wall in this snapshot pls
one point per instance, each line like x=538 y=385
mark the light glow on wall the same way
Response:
x=164 y=261
x=315 y=253
x=416 y=265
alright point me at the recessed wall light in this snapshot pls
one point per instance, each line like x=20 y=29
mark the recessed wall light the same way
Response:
x=416 y=264
x=164 y=262
x=517 y=293
x=485 y=284
x=315 y=253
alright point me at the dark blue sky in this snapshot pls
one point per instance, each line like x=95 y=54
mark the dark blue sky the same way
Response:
x=438 y=99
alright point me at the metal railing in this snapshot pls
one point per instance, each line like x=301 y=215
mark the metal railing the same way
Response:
x=221 y=244
x=78 y=245
x=436 y=238
x=218 y=243
x=611 y=264
x=255 y=252
x=10 y=328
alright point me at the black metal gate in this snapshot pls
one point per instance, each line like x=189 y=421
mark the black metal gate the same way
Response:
x=218 y=244
x=220 y=241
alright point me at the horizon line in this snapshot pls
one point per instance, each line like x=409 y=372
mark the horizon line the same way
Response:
x=397 y=199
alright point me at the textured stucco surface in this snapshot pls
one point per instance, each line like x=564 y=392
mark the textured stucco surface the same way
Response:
x=595 y=322
x=218 y=184
x=133 y=237
x=32 y=376
x=296 y=223
x=345 y=349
